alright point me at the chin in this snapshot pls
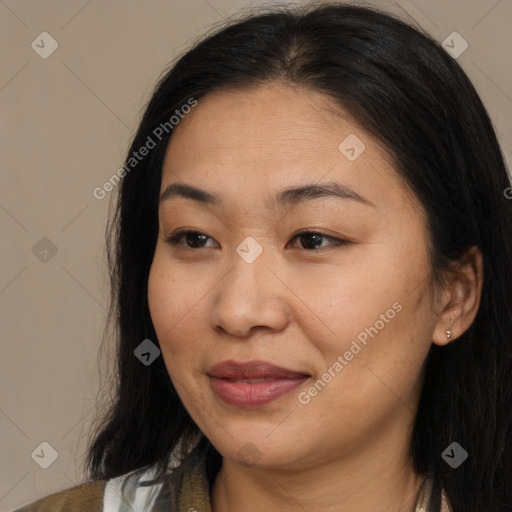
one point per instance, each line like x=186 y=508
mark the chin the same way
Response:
x=251 y=448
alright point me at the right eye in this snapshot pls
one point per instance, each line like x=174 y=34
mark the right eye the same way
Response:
x=193 y=239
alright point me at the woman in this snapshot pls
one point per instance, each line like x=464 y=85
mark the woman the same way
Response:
x=312 y=271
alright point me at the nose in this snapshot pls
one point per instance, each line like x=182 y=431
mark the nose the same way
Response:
x=250 y=297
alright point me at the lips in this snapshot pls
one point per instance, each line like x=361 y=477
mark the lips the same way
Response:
x=253 y=383
x=252 y=370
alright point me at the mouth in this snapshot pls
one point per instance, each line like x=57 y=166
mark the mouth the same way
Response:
x=255 y=383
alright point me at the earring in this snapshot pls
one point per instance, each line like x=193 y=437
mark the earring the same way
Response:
x=448 y=334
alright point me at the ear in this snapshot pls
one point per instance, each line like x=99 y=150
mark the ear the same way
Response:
x=460 y=297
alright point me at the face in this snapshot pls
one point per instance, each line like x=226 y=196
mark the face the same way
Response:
x=346 y=308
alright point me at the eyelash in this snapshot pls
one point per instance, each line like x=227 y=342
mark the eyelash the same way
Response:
x=176 y=238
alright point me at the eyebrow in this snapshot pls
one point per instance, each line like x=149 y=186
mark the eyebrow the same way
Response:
x=289 y=197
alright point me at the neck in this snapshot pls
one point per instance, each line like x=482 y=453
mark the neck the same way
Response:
x=382 y=485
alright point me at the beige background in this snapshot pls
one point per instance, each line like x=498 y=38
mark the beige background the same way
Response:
x=67 y=122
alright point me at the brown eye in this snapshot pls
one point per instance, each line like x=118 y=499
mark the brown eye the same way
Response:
x=193 y=239
x=311 y=240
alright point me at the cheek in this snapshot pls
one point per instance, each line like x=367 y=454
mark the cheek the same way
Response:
x=351 y=300
x=174 y=309
x=379 y=320
x=161 y=299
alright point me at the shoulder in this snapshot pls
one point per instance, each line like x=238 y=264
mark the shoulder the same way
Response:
x=427 y=501
x=86 y=497
x=137 y=490
x=112 y=495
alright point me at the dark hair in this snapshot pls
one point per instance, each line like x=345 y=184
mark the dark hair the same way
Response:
x=406 y=91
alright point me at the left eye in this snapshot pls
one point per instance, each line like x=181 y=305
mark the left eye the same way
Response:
x=309 y=239
x=313 y=240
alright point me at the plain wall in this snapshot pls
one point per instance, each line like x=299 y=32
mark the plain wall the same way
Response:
x=67 y=121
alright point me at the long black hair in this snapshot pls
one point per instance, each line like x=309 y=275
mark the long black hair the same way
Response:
x=405 y=90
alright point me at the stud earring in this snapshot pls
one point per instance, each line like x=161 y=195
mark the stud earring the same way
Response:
x=448 y=334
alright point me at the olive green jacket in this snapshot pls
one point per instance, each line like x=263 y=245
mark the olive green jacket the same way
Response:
x=185 y=489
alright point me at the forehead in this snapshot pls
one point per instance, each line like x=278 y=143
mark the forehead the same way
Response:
x=264 y=120
x=273 y=136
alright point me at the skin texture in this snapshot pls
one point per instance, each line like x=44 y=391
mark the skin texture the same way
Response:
x=300 y=307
